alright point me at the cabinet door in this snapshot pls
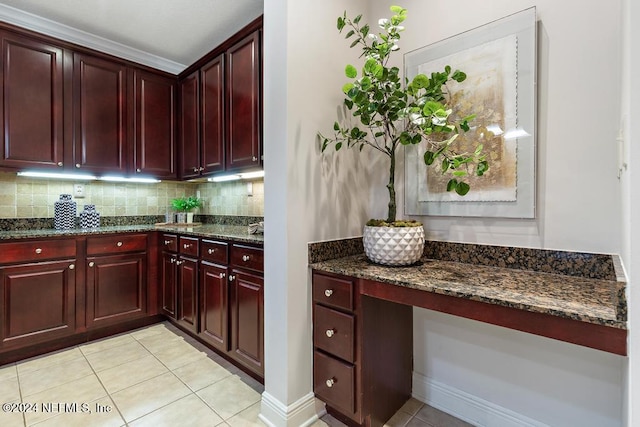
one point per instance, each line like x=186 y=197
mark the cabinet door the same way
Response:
x=247 y=319
x=244 y=109
x=99 y=105
x=168 y=283
x=32 y=103
x=214 y=305
x=38 y=302
x=188 y=293
x=116 y=288
x=154 y=121
x=212 y=96
x=190 y=126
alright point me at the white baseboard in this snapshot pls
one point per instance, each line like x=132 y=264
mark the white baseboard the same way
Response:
x=301 y=413
x=467 y=407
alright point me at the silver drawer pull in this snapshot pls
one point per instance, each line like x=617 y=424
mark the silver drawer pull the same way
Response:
x=246 y=258
x=91 y=264
x=330 y=332
x=38 y=250
x=222 y=275
x=119 y=244
x=72 y=266
x=330 y=382
x=328 y=292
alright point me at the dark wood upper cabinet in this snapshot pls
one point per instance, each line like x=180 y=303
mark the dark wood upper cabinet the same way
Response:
x=243 y=97
x=190 y=126
x=154 y=147
x=212 y=107
x=99 y=112
x=32 y=103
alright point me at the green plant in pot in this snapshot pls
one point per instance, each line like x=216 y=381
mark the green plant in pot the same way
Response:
x=185 y=206
x=393 y=113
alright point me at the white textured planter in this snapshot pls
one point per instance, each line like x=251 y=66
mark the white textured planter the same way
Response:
x=393 y=245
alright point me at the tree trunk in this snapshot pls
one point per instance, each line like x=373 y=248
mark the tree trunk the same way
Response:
x=391 y=217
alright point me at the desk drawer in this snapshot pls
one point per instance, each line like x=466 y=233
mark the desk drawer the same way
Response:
x=116 y=244
x=169 y=242
x=247 y=257
x=188 y=246
x=333 y=292
x=333 y=332
x=334 y=382
x=214 y=251
x=37 y=250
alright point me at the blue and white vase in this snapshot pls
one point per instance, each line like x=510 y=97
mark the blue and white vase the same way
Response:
x=89 y=217
x=64 y=213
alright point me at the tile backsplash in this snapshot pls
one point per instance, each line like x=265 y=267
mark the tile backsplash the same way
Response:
x=22 y=197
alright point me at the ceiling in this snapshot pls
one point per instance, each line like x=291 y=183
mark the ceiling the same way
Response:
x=165 y=34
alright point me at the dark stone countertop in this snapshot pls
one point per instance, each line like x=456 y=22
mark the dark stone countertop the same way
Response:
x=213 y=231
x=592 y=300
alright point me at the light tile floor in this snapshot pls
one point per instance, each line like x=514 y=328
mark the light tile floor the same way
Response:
x=156 y=376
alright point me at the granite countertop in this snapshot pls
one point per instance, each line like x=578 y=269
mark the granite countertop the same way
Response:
x=592 y=300
x=215 y=231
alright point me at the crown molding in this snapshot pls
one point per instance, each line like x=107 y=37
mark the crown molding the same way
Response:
x=73 y=35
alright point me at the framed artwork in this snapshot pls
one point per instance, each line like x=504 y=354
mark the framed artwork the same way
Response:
x=500 y=62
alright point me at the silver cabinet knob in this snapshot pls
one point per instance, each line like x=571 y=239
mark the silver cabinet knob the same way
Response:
x=119 y=244
x=91 y=264
x=222 y=275
x=186 y=245
x=72 y=266
x=167 y=242
x=330 y=332
x=195 y=169
x=330 y=382
x=328 y=292
x=78 y=165
x=179 y=262
x=210 y=251
x=172 y=260
x=246 y=258
x=232 y=278
x=254 y=158
x=38 y=250
x=60 y=164
x=138 y=170
x=200 y=169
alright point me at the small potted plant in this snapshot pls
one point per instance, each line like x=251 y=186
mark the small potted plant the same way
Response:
x=393 y=114
x=185 y=206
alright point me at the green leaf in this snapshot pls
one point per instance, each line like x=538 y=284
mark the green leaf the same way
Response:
x=350 y=71
x=452 y=184
x=340 y=23
x=338 y=145
x=348 y=103
x=355 y=42
x=420 y=81
x=447 y=69
x=459 y=173
x=462 y=188
x=459 y=76
x=357 y=19
x=478 y=150
x=346 y=88
x=396 y=9
x=365 y=30
x=349 y=34
x=365 y=83
x=429 y=158
x=430 y=107
x=482 y=168
x=445 y=165
x=336 y=126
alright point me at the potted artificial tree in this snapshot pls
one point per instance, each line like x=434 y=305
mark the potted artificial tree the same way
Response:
x=393 y=114
x=185 y=206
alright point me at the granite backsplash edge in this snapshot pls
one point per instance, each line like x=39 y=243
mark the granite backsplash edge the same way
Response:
x=580 y=264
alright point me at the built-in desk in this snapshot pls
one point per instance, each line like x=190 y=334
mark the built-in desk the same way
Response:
x=572 y=297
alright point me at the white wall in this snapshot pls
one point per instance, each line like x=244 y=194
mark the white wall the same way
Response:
x=307 y=197
x=579 y=208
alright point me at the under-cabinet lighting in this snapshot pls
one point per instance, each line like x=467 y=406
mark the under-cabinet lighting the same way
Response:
x=252 y=175
x=223 y=178
x=57 y=175
x=124 y=179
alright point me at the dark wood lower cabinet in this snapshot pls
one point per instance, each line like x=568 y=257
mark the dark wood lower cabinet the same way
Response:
x=169 y=285
x=38 y=302
x=116 y=288
x=188 y=293
x=214 y=305
x=247 y=319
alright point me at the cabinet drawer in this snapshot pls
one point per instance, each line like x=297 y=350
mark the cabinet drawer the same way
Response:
x=37 y=250
x=214 y=251
x=333 y=291
x=334 y=382
x=116 y=244
x=188 y=245
x=248 y=257
x=333 y=332
x=169 y=242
